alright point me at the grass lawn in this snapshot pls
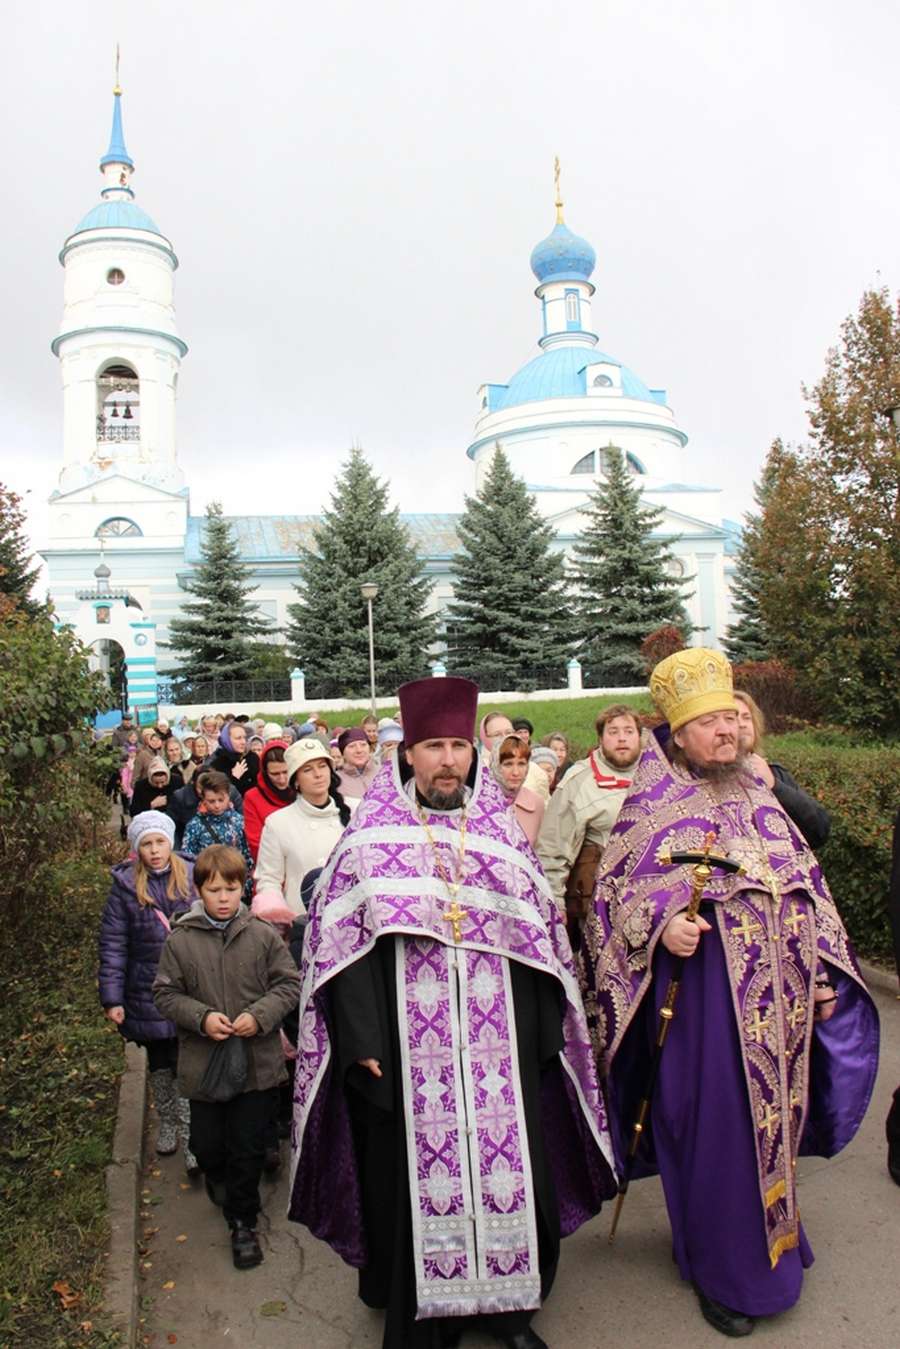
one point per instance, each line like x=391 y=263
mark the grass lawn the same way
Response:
x=58 y=1085
x=573 y=716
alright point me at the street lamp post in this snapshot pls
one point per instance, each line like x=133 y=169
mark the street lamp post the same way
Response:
x=369 y=590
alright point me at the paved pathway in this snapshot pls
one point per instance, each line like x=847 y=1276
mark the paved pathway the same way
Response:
x=627 y=1297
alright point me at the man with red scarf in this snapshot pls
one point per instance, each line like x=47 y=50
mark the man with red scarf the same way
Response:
x=582 y=811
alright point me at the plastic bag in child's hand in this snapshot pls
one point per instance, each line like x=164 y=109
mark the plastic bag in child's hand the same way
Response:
x=226 y=1071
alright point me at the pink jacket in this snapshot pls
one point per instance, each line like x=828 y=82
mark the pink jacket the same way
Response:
x=529 y=810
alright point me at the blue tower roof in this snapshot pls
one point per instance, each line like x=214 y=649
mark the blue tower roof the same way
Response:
x=563 y=256
x=562 y=372
x=117 y=154
x=117 y=215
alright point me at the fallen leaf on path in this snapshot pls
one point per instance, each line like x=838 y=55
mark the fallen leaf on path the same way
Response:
x=172 y=1338
x=67 y=1295
x=170 y=1283
x=273 y=1309
x=86 y=1326
x=185 y=1185
x=183 y=1237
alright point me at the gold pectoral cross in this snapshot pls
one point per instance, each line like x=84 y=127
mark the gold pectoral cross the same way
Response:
x=454 y=915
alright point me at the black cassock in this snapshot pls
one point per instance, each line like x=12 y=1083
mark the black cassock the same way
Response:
x=364 y=1010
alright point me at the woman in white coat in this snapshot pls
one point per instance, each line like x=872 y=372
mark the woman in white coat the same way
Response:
x=301 y=836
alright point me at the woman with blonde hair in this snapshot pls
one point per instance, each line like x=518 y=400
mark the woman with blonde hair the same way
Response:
x=149 y=891
x=811 y=818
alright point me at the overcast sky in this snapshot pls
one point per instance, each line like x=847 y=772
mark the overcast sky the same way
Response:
x=354 y=189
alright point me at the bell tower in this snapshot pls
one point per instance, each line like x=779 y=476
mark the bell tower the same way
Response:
x=118 y=344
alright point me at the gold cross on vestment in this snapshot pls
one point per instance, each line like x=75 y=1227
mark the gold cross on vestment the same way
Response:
x=795 y=919
x=759 y=1025
x=768 y=1119
x=796 y=1100
x=454 y=915
x=746 y=928
x=797 y=1013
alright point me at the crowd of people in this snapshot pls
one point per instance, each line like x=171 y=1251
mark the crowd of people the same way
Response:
x=439 y=955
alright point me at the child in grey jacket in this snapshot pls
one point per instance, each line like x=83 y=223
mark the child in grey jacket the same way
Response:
x=223 y=974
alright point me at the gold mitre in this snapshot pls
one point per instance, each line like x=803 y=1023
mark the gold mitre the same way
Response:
x=691 y=683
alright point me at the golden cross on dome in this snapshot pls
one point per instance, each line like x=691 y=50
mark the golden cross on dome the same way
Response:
x=454 y=916
x=559 y=204
x=117 y=89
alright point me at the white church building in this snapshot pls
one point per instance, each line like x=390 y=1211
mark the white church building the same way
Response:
x=121 y=491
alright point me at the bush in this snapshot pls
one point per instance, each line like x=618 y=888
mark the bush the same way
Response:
x=50 y=771
x=61 y=1061
x=859 y=789
x=660 y=643
x=774 y=687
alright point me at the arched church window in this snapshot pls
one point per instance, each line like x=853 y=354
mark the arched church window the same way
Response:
x=118 y=406
x=586 y=464
x=118 y=527
x=115 y=276
x=633 y=464
x=602 y=382
x=571 y=306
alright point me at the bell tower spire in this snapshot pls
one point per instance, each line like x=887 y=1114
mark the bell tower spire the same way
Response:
x=117 y=166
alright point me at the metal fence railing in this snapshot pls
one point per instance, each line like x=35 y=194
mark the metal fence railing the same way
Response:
x=216 y=691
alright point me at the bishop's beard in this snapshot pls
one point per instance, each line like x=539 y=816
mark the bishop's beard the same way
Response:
x=718 y=774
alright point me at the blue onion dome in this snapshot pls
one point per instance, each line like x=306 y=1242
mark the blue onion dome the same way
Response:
x=563 y=256
x=117 y=215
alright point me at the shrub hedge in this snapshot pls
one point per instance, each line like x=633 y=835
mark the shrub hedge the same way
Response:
x=859 y=787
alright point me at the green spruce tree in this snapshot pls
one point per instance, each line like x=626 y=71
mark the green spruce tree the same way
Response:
x=748 y=637
x=624 y=589
x=510 y=614
x=214 y=638
x=17 y=577
x=360 y=539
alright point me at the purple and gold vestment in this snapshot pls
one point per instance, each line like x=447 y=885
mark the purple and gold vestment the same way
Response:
x=748 y=1080
x=475 y=1242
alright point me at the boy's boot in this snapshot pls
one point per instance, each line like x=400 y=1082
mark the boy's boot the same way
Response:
x=162 y=1084
x=245 y=1248
x=183 y=1108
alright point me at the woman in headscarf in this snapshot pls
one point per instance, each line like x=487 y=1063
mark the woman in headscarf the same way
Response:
x=559 y=743
x=154 y=791
x=174 y=755
x=509 y=765
x=240 y=765
x=273 y=791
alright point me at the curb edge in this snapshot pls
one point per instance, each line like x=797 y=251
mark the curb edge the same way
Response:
x=123 y=1176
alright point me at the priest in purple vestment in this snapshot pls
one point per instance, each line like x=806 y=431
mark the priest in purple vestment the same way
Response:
x=448 y=1127
x=774 y=1045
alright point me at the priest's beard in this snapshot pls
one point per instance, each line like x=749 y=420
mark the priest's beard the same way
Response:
x=436 y=800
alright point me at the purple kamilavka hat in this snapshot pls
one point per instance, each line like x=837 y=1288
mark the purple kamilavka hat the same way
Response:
x=433 y=709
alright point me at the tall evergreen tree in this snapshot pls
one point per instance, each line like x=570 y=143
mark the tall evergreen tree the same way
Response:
x=214 y=638
x=624 y=590
x=829 y=548
x=17 y=577
x=509 y=614
x=748 y=637
x=361 y=539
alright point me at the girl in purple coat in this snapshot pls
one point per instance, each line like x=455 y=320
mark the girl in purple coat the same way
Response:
x=149 y=891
